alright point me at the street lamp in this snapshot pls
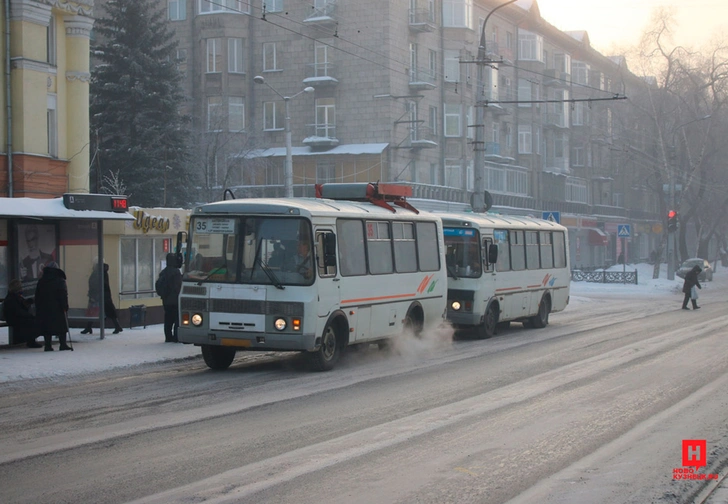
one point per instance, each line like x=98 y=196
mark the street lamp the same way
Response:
x=671 y=248
x=479 y=158
x=288 y=175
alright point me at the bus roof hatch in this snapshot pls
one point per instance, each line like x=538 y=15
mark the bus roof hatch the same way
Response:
x=375 y=193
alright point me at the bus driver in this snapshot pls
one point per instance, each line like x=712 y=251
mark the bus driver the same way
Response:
x=301 y=262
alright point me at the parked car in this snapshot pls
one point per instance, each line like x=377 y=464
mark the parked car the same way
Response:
x=705 y=275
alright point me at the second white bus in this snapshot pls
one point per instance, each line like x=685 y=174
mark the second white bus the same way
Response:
x=503 y=269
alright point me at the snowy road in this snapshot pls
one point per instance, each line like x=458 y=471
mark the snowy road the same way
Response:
x=593 y=408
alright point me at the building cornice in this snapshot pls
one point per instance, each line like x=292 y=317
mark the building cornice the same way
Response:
x=78 y=76
x=78 y=26
x=30 y=11
x=82 y=7
x=29 y=64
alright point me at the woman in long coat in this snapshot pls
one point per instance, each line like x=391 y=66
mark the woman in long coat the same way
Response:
x=691 y=280
x=51 y=305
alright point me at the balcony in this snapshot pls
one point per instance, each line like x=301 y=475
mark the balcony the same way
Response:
x=422 y=138
x=421 y=20
x=556 y=79
x=554 y=120
x=324 y=136
x=421 y=80
x=321 y=75
x=323 y=15
x=557 y=164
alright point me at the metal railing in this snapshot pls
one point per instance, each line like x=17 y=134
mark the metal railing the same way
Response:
x=602 y=276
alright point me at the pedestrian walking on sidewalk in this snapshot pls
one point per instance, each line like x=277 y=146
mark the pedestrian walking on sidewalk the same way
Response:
x=93 y=300
x=51 y=305
x=690 y=286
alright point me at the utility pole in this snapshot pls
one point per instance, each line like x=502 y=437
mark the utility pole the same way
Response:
x=478 y=202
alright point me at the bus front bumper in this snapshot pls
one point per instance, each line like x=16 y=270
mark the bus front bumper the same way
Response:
x=286 y=342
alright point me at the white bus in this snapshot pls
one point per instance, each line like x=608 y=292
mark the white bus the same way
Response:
x=503 y=269
x=357 y=265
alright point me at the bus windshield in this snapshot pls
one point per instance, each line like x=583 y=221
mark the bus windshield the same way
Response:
x=463 y=253
x=250 y=250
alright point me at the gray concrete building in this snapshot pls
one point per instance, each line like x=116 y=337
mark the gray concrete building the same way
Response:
x=395 y=97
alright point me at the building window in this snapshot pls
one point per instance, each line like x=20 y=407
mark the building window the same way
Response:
x=272 y=5
x=209 y=6
x=509 y=40
x=530 y=46
x=236 y=114
x=562 y=62
x=52 y=126
x=273 y=116
x=457 y=13
x=524 y=139
x=453 y=173
x=321 y=63
x=326 y=118
x=579 y=72
x=524 y=93
x=576 y=191
x=182 y=61
x=325 y=172
x=470 y=129
x=177 y=10
x=452 y=66
x=270 y=57
x=51 y=41
x=141 y=262
x=214 y=109
x=432 y=66
x=214 y=55
x=235 y=55
x=579 y=158
x=452 y=120
x=433 y=121
x=413 y=63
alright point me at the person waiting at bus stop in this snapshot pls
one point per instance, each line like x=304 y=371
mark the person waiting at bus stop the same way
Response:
x=18 y=315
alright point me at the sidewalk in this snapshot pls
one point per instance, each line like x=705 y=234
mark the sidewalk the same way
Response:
x=91 y=354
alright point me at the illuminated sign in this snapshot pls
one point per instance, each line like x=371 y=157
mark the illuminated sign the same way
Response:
x=99 y=202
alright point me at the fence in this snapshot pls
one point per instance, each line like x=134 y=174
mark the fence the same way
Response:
x=601 y=276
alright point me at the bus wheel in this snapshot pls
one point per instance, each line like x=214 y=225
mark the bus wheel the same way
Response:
x=217 y=357
x=328 y=354
x=413 y=323
x=541 y=320
x=490 y=321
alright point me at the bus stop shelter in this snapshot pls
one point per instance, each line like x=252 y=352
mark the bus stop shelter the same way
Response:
x=32 y=232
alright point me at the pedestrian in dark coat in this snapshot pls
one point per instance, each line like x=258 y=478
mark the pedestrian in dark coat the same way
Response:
x=94 y=297
x=691 y=280
x=51 y=305
x=18 y=315
x=168 y=286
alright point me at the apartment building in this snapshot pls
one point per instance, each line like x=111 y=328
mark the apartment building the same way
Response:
x=394 y=99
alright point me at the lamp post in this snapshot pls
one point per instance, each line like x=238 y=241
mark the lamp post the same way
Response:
x=671 y=248
x=288 y=174
x=479 y=158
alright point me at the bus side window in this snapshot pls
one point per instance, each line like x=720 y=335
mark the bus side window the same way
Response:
x=490 y=254
x=326 y=253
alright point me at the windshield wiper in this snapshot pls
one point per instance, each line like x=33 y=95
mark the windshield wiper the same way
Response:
x=212 y=273
x=268 y=272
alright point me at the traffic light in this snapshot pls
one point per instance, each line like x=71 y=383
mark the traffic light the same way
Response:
x=671 y=221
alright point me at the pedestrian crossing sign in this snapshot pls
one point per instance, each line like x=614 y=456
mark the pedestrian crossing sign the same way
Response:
x=552 y=216
x=624 y=230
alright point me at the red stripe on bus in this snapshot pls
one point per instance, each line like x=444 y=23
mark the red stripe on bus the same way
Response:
x=508 y=289
x=534 y=286
x=378 y=298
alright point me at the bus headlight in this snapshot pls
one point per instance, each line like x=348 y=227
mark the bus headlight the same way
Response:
x=280 y=324
x=455 y=305
x=197 y=319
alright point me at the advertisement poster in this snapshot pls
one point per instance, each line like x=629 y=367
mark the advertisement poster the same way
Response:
x=36 y=248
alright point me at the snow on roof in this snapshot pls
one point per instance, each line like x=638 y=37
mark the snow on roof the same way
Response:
x=350 y=149
x=580 y=35
x=35 y=208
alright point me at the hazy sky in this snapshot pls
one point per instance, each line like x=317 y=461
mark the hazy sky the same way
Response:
x=621 y=22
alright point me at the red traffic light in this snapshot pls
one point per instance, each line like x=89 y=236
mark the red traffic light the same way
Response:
x=671 y=214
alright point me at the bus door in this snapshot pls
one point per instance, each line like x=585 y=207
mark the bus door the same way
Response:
x=329 y=297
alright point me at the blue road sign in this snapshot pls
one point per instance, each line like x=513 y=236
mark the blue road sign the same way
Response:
x=624 y=230
x=552 y=216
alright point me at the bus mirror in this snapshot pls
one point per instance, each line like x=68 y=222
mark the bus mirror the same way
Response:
x=492 y=253
x=329 y=249
x=181 y=238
